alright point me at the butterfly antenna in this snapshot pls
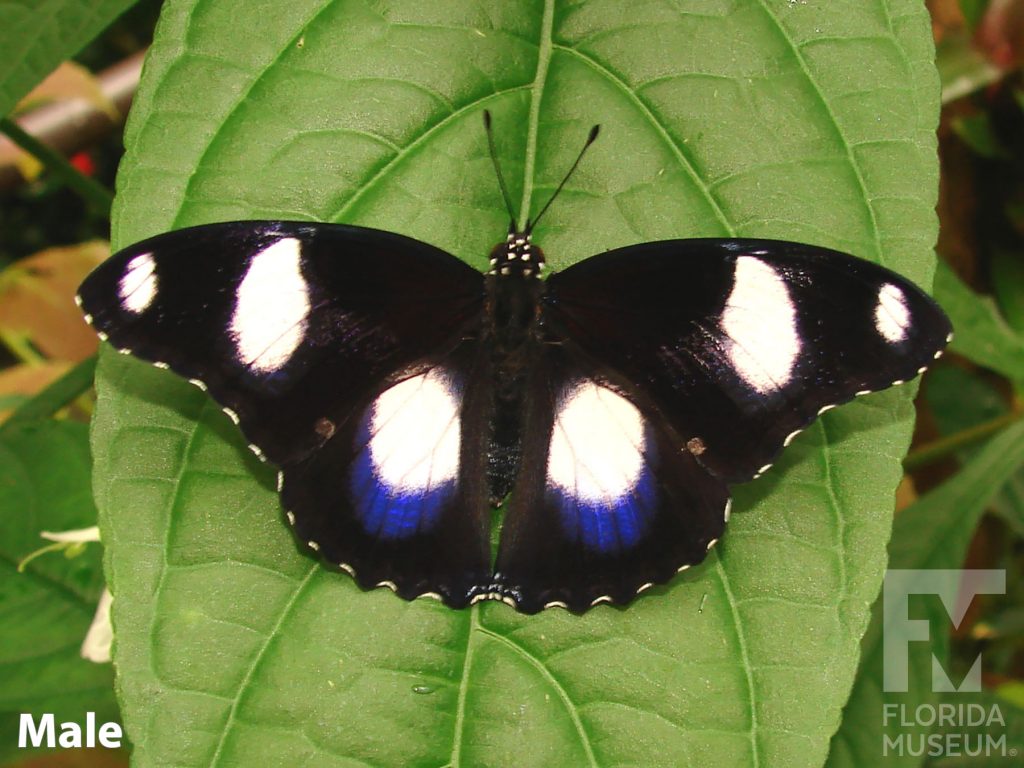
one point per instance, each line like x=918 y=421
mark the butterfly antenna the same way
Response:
x=591 y=138
x=497 y=169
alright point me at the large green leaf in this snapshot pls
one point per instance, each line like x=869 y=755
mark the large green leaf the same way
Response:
x=45 y=611
x=755 y=118
x=933 y=533
x=37 y=35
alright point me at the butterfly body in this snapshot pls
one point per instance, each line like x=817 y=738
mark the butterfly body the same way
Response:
x=512 y=332
x=607 y=407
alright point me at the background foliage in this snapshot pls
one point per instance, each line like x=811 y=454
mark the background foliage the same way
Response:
x=233 y=646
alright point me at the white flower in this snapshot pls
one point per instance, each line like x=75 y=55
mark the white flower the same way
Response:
x=96 y=646
x=79 y=535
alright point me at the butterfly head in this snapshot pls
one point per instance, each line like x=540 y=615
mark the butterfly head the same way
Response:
x=516 y=256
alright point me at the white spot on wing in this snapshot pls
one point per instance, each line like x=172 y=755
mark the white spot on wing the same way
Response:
x=892 y=316
x=415 y=433
x=760 y=320
x=137 y=287
x=272 y=304
x=596 y=451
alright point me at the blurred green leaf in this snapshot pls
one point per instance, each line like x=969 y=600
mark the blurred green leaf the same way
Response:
x=1013 y=692
x=12 y=401
x=57 y=395
x=1008 y=285
x=960 y=400
x=932 y=533
x=37 y=36
x=980 y=332
x=1009 y=504
x=977 y=132
x=973 y=11
x=1007 y=742
x=822 y=131
x=45 y=611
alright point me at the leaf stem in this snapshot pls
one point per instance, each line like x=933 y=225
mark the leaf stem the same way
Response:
x=54 y=547
x=61 y=393
x=94 y=193
x=18 y=345
x=944 y=446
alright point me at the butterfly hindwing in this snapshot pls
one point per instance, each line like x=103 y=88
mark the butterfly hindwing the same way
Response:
x=606 y=503
x=398 y=494
x=742 y=343
x=287 y=324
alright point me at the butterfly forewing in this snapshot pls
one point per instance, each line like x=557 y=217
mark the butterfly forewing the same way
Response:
x=742 y=343
x=336 y=349
x=289 y=325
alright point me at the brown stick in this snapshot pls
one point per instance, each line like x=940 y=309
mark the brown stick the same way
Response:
x=71 y=125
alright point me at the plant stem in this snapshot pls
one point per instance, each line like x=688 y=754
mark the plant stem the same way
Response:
x=18 y=345
x=57 y=545
x=94 y=193
x=944 y=446
x=56 y=396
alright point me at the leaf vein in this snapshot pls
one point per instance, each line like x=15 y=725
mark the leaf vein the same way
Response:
x=645 y=110
x=243 y=687
x=570 y=706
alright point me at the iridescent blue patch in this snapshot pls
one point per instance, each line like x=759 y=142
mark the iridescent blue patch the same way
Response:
x=608 y=526
x=392 y=512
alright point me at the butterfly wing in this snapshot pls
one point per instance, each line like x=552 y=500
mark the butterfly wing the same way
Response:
x=742 y=343
x=606 y=504
x=398 y=495
x=287 y=324
x=306 y=334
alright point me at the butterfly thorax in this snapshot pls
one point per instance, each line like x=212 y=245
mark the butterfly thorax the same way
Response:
x=516 y=257
x=513 y=293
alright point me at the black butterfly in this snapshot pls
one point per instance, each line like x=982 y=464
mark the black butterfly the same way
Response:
x=402 y=393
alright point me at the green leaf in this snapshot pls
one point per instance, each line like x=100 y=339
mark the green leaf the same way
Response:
x=995 y=745
x=57 y=395
x=980 y=332
x=821 y=129
x=961 y=400
x=978 y=134
x=45 y=611
x=974 y=11
x=1008 y=284
x=37 y=36
x=933 y=533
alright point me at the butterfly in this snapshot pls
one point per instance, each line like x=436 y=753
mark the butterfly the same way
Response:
x=607 y=408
